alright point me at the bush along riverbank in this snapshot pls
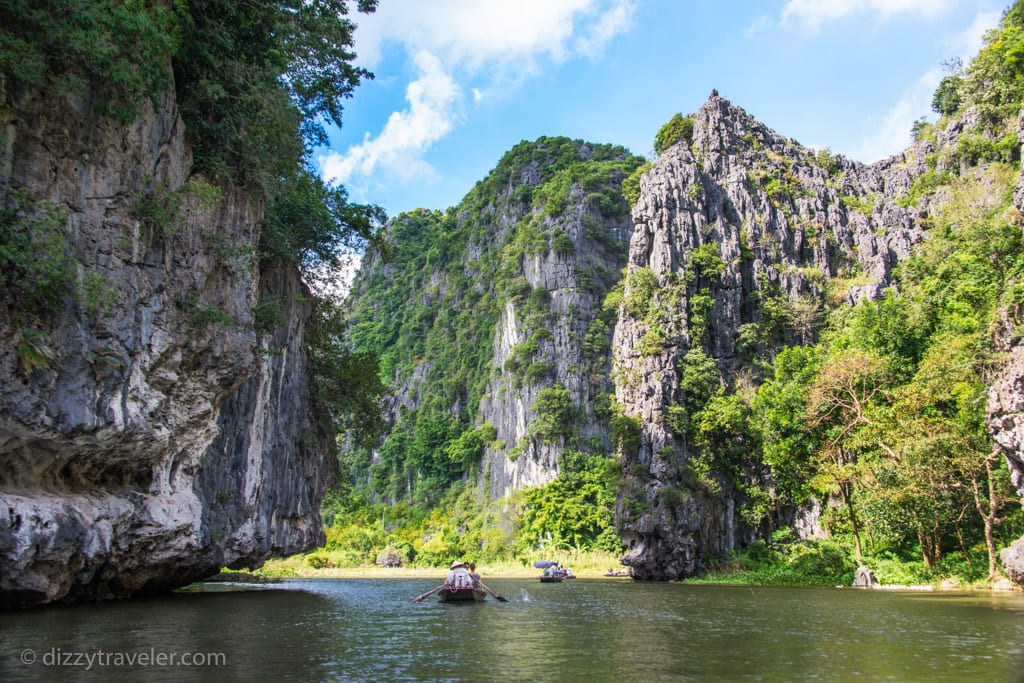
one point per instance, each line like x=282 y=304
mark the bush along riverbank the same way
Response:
x=787 y=561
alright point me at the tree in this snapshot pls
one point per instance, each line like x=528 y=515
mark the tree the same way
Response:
x=947 y=99
x=116 y=52
x=780 y=405
x=837 y=406
x=314 y=226
x=555 y=411
x=678 y=129
x=729 y=443
x=577 y=509
x=257 y=80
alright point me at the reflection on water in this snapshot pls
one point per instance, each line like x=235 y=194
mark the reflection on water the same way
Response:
x=366 y=629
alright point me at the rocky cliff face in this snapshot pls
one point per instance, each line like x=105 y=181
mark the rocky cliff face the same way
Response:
x=1005 y=405
x=574 y=281
x=495 y=305
x=157 y=440
x=726 y=225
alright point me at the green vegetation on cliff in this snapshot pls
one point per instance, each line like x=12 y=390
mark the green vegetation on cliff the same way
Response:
x=255 y=83
x=430 y=313
x=874 y=410
x=881 y=413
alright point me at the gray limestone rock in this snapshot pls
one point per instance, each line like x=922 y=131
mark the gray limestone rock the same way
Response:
x=1005 y=405
x=864 y=578
x=781 y=220
x=159 y=445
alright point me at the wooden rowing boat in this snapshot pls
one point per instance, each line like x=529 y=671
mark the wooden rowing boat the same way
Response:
x=551 y=579
x=461 y=595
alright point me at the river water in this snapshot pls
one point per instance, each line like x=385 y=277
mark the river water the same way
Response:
x=582 y=630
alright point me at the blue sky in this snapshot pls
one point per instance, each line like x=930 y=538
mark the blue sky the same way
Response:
x=460 y=82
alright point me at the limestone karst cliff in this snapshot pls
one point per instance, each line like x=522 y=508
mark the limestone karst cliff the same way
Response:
x=148 y=434
x=1005 y=399
x=744 y=244
x=489 y=315
x=772 y=220
x=733 y=223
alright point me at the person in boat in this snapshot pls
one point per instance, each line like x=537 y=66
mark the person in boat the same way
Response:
x=458 y=576
x=473 y=575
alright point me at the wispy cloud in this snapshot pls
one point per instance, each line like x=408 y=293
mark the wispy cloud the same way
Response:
x=431 y=114
x=496 y=43
x=967 y=43
x=891 y=131
x=812 y=14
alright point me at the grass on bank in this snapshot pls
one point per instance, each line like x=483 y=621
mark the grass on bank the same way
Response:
x=588 y=563
x=826 y=562
x=831 y=562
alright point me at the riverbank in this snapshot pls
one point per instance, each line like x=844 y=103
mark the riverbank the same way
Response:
x=284 y=568
x=328 y=564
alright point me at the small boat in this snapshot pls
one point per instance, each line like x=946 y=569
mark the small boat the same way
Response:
x=550 y=578
x=461 y=595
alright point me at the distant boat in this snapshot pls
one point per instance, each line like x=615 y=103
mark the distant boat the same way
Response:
x=461 y=595
x=551 y=578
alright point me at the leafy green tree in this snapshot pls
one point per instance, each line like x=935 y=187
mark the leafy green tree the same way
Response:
x=947 y=99
x=994 y=79
x=729 y=446
x=469 y=446
x=119 y=50
x=315 y=226
x=256 y=82
x=780 y=404
x=678 y=129
x=576 y=510
x=555 y=412
x=346 y=383
x=699 y=379
x=838 y=403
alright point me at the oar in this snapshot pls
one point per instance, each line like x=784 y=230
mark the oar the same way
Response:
x=427 y=594
x=497 y=597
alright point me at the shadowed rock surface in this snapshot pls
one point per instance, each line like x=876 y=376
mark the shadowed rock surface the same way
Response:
x=164 y=439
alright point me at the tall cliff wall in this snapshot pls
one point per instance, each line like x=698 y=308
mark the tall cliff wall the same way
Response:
x=1005 y=405
x=484 y=308
x=162 y=438
x=574 y=280
x=726 y=223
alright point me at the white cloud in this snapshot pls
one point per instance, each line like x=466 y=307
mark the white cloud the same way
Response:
x=498 y=43
x=431 y=114
x=968 y=42
x=813 y=13
x=617 y=19
x=481 y=33
x=892 y=130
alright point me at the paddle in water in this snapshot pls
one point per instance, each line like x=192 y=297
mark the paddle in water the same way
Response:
x=499 y=598
x=427 y=594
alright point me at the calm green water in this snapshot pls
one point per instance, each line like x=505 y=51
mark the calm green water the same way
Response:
x=367 y=630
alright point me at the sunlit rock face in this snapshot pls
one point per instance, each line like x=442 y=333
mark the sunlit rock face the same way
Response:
x=1005 y=408
x=542 y=260
x=163 y=438
x=781 y=220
